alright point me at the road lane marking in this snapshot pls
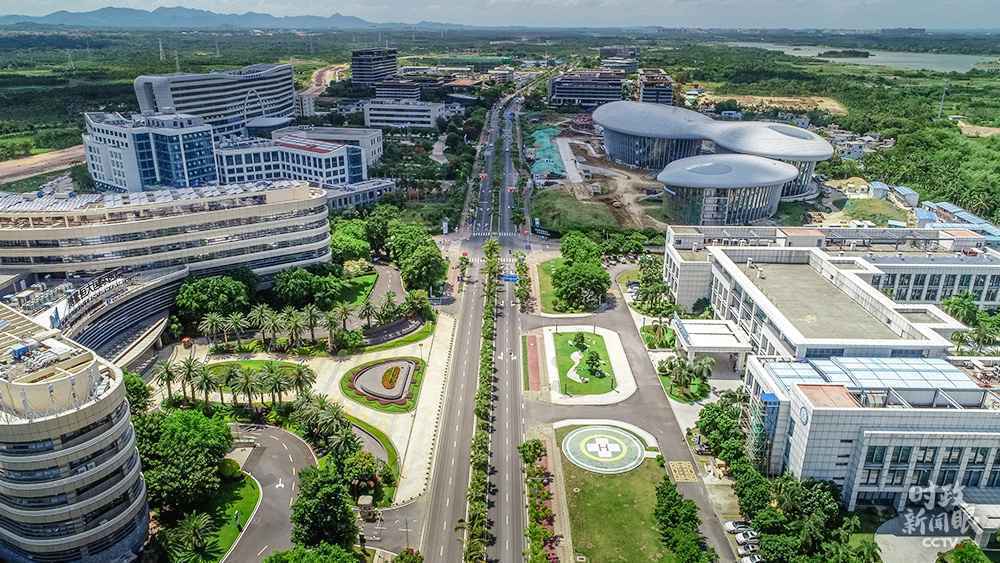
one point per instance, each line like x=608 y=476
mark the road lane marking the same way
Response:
x=290 y=460
x=262 y=550
x=284 y=445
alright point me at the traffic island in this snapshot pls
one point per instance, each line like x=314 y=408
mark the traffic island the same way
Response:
x=586 y=365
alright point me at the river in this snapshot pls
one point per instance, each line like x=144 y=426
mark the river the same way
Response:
x=939 y=62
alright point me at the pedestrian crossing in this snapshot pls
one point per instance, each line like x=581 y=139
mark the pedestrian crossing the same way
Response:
x=494 y=234
x=503 y=260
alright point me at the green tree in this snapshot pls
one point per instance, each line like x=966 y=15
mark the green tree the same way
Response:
x=295 y=287
x=213 y=294
x=377 y=226
x=424 y=267
x=963 y=307
x=322 y=553
x=312 y=317
x=237 y=322
x=367 y=312
x=192 y=539
x=418 y=304
x=780 y=548
x=180 y=452
x=580 y=285
x=302 y=378
x=579 y=341
x=210 y=325
x=166 y=373
x=577 y=247
x=323 y=510
x=409 y=555
x=137 y=392
x=593 y=362
x=966 y=552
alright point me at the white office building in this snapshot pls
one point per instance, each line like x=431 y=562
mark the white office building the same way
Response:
x=71 y=487
x=656 y=86
x=881 y=429
x=305 y=105
x=132 y=154
x=397 y=90
x=359 y=194
x=369 y=66
x=370 y=140
x=586 y=88
x=226 y=100
x=289 y=158
x=401 y=114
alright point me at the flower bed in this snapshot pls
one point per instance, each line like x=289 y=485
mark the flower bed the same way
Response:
x=390 y=377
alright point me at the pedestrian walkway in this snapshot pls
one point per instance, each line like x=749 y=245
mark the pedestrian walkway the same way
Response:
x=534 y=364
x=495 y=234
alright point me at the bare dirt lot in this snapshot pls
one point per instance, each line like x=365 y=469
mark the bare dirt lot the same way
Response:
x=621 y=189
x=970 y=130
x=798 y=103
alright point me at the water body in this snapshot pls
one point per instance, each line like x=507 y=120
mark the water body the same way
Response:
x=939 y=62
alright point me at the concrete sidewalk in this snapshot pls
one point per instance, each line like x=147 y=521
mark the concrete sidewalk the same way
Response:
x=625 y=384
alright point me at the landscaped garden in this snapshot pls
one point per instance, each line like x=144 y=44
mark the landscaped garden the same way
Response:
x=239 y=494
x=389 y=385
x=684 y=380
x=593 y=498
x=583 y=363
x=658 y=336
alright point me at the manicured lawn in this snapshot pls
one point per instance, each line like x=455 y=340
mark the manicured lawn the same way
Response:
x=878 y=211
x=414 y=390
x=649 y=337
x=239 y=495
x=548 y=296
x=357 y=290
x=628 y=276
x=524 y=363
x=696 y=391
x=388 y=493
x=594 y=385
x=416 y=336
x=611 y=516
x=255 y=365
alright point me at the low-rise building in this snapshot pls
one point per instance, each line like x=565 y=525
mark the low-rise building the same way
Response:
x=359 y=194
x=397 y=90
x=290 y=157
x=370 y=140
x=400 y=114
x=627 y=65
x=132 y=154
x=622 y=51
x=656 y=86
x=587 y=88
x=305 y=105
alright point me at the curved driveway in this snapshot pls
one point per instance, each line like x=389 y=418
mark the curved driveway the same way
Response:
x=275 y=462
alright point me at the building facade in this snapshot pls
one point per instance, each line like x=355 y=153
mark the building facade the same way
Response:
x=290 y=157
x=626 y=65
x=656 y=87
x=622 y=51
x=370 y=140
x=586 y=88
x=226 y=100
x=397 y=90
x=71 y=487
x=369 y=66
x=131 y=154
x=403 y=114
x=360 y=194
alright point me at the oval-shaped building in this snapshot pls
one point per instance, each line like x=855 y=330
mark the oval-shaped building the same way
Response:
x=725 y=189
x=652 y=136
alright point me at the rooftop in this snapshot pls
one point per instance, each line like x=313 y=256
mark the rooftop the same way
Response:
x=816 y=307
x=828 y=396
x=726 y=171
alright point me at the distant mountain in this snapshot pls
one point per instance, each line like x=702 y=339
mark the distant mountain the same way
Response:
x=190 y=18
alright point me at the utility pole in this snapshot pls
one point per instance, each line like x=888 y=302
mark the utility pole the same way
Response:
x=941 y=103
x=162 y=57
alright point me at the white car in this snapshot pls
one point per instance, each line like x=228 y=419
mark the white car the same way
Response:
x=751 y=559
x=747 y=549
x=746 y=537
x=736 y=526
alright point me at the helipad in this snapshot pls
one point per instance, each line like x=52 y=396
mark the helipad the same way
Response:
x=603 y=449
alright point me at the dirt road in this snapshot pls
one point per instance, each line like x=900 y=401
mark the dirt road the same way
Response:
x=324 y=76
x=18 y=169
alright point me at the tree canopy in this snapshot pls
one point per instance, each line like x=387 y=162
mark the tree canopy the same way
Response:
x=322 y=511
x=213 y=294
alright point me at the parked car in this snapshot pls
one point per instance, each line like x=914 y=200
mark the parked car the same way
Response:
x=747 y=549
x=736 y=526
x=746 y=537
x=751 y=559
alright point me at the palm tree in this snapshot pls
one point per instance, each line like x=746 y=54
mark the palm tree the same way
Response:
x=273 y=323
x=274 y=380
x=245 y=384
x=189 y=370
x=225 y=379
x=193 y=538
x=387 y=312
x=258 y=315
x=343 y=312
x=868 y=552
x=166 y=373
x=681 y=374
x=210 y=325
x=366 y=312
x=237 y=322
x=301 y=378
x=204 y=382
x=702 y=368
x=311 y=315
x=331 y=323
x=294 y=325
x=959 y=339
x=963 y=307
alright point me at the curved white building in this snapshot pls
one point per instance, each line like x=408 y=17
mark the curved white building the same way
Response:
x=725 y=189
x=653 y=135
x=71 y=488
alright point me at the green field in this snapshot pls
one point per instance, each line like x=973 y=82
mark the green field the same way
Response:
x=593 y=385
x=414 y=390
x=593 y=497
x=253 y=365
x=357 y=290
x=547 y=299
x=561 y=211
x=878 y=211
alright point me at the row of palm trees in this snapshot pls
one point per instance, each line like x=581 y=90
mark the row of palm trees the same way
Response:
x=684 y=372
x=273 y=378
x=296 y=322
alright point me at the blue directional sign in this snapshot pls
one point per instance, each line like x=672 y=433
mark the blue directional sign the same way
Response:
x=509 y=277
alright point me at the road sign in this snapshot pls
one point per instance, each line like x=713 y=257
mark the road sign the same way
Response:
x=509 y=277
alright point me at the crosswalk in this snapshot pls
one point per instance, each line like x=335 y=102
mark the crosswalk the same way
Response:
x=503 y=260
x=494 y=234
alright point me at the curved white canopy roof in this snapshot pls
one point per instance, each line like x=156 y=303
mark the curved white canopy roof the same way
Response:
x=772 y=140
x=726 y=171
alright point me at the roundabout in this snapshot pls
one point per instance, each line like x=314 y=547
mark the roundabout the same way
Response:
x=603 y=449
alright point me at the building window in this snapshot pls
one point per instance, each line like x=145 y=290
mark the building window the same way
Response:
x=926 y=455
x=875 y=455
x=977 y=456
x=946 y=477
x=922 y=477
x=951 y=456
x=972 y=478
x=895 y=477
x=994 y=479
x=870 y=476
x=901 y=454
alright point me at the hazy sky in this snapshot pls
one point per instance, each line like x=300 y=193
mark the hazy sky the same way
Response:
x=668 y=13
